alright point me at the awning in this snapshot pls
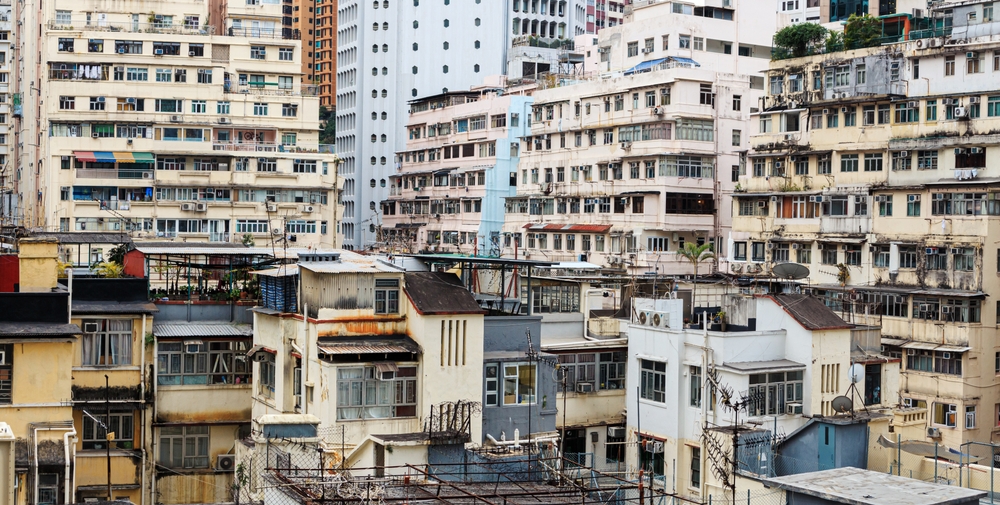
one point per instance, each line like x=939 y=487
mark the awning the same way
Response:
x=104 y=156
x=253 y=350
x=640 y=192
x=84 y=156
x=841 y=240
x=582 y=228
x=409 y=225
x=645 y=66
x=893 y=341
x=386 y=366
x=782 y=154
x=123 y=157
x=950 y=293
x=952 y=348
x=143 y=157
x=929 y=346
x=344 y=346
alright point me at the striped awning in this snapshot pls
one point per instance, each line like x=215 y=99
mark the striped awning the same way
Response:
x=143 y=157
x=104 y=156
x=84 y=156
x=124 y=157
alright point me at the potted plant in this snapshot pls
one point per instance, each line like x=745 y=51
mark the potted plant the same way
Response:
x=720 y=319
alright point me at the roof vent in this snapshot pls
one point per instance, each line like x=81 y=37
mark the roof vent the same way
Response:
x=318 y=257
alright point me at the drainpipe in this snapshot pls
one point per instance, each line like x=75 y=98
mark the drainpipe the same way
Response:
x=70 y=485
x=305 y=361
x=69 y=287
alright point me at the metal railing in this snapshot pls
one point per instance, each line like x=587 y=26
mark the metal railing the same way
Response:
x=110 y=173
x=307 y=90
x=129 y=27
x=273 y=147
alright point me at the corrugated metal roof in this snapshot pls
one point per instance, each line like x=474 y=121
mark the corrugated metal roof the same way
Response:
x=755 y=366
x=202 y=330
x=281 y=271
x=368 y=346
x=351 y=262
x=80 y=307
x=220 y=249
x=28 y=330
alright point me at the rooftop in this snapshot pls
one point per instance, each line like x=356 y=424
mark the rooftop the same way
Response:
x=38 y=330
x=856 y=486
x=810 y=312
x=440 y=293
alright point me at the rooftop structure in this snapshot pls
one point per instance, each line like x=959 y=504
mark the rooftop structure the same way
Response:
x=857 y=486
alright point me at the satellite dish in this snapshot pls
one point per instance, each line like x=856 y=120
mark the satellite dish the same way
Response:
x=790 y=271
x=842 y=404
x=856 y=373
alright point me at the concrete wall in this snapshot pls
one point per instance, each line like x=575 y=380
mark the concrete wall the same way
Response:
x=203 y=311
x=507 y=333
x=38 y=267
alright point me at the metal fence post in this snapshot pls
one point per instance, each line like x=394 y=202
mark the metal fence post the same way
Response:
x=899 y=454
x=935 y=461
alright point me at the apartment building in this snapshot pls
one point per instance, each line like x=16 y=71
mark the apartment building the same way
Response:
x=793 y=363
x=399 y=52
x=453 y=177
x=325 y=53
x=382 y=363
x=872 y=168
x=717 y=35
x=10 y=214
x=792 y=12
x=621 y=172
x=187 y=126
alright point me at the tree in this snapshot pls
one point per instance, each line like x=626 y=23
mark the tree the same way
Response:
x=696 y=254
x=862 y=31
x=800 y=39
x=328 y=122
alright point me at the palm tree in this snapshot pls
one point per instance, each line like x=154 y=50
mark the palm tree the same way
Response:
x=696 y=254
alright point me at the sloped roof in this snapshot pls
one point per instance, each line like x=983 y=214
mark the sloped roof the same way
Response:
x=440 y=293
x=810 y=312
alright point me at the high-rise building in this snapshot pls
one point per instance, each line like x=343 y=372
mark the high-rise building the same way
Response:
x=325 y=59
x=10 y=214
x=193 y=122
x=390 y=52
x=303 y=17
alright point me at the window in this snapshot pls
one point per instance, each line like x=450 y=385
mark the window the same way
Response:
x=136 y=74
x=907 y=112
x=945 y=414
x=204 y=76
x=259 y=109
x=198 y=107
x=519 y=381
x=64 y=18
x=289 y=110
x=258 y=52
x=95 y=435
x=873 y=162
x=653 y=380
x=757 y=251
x=66 y=45
x=963 y=259
x=209 y=362
x=695 y=467
x=849 y=163
x=884 y=205
x=684 y=41
x=974 y=65
x=850 y=116
x=491 y=383
x=111 y=345
x=937 y=258
x=927 y=160
x=184 y=446
x=67 y=102
x=368 y=393
x=222 y=108
x=386 y=296
x=699 y=43
x=694 y=375
x=913 y=205
x=930 y=110
x=860 y=75
x=970 y=417
x=737 y=99
x=949 y=66
x=773 y=391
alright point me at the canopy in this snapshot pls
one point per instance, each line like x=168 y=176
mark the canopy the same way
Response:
x=124 y=157
x=84 y=156
x=926 y=449
x=649 y=66
x=104 y=156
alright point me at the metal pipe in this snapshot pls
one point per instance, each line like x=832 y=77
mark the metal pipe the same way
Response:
x=305 y=359
x=69 y=484
x=69 y=287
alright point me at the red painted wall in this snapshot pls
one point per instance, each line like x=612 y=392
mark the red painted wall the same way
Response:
x=135 y=264
x=10 y=272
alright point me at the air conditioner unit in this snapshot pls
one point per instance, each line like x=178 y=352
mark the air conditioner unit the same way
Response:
x=881 y=198
x=187 y=206
x=826 y=111
x=959 y=151
x=121 y=50
x=644 y=317
x=658 y=110
x=949 y=101
x=844 y=247
x=913 y=198
x=225 y=120
x=975 y=150
x=275 y=231
x=816 y=199
x=945 y=355
x=946 y=309
x=385 y=375
x=223 y=166
x=647 y=50
x=761 y=203
x=961 y=112
x=777 y=164
x=201 y=207
x=261 y=356
x=308 y=208
x=190 y=53
x=225 y=463
x=176 y=119
x=931 y=250
x=147 y=175
x=272 y=208
x=584 y=387
x=973 y=99
x=774 y=199
x=616 y=432
x=794 y=408
x=918 y=13
x=844 y=110
x=796 y=247
x=955 y=250
x=933 y=433
x=158 y=52
x=911 y=352
x=91 y=327
x=924 y=307
x=660 y=320
x=904 y=154
x=972 y=55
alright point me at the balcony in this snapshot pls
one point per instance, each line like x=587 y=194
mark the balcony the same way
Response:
x=134 y=28
x=273 y=147
x=306 y=90
x=114 y=174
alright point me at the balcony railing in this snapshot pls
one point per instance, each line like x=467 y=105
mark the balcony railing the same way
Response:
x=307 y=90
x=113 y=174
x=135 y=28
x=218 y=237
x=273 y=147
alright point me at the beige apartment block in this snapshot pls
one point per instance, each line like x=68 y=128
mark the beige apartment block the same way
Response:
x=622 y=172
x=875 y=168
x=174 y=120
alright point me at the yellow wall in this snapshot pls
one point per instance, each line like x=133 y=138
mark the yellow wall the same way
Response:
x=37 y=258
x=40 y=397
x=203 y=485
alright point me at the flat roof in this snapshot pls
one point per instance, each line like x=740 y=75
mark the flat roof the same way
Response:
x=763 y=366
x=856 y=486
x=462 y=258
x=213 y=329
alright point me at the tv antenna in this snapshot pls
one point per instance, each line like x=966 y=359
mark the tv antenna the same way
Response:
x=725 y=463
